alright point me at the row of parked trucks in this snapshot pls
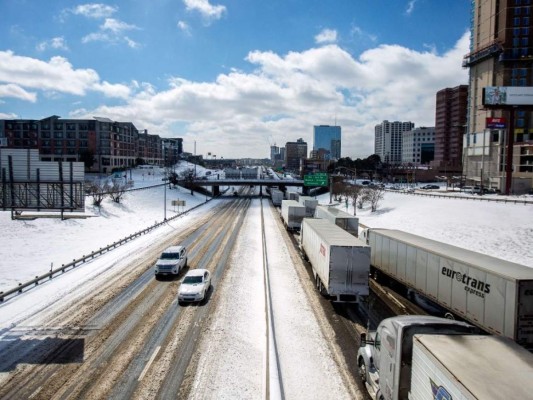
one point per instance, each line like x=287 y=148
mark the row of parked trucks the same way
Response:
x=425 y=357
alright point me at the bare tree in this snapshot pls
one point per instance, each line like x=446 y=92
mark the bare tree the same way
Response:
x=98 y=190
x=118 y=190
x=338 y=189
x=188 y=177
x=353 y=192
x=375 y=195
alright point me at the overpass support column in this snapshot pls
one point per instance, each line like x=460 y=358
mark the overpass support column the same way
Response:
x=216 y=190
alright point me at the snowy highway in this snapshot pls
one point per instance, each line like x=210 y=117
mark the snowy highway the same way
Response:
x=119 y=333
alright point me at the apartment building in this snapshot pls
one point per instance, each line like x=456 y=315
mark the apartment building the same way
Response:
x=101 y=143
x=388 y=140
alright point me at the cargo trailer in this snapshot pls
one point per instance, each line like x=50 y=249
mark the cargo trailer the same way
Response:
x=350 y=223
x=277 y=196
x=340 y=261
x=310 y=205
x=292 y=214
x=494 y=294
x=470 y=367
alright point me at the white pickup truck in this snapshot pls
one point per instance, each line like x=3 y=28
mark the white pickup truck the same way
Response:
x=171 y=261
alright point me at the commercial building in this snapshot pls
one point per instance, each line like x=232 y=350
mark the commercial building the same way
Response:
x=327 y=138
x=501 y=55
x=418 y=146
x=294 y=153
x=450 y=123
x=388 y=140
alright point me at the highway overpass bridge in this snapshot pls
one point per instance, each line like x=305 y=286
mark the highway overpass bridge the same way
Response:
x=282 y=184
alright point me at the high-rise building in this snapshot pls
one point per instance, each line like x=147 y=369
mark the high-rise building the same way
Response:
x=294 y=152
x=450 y=120
x=388 y=140
x=328 y=138
x=274 y=153
x=501 y=54
x=418 y=146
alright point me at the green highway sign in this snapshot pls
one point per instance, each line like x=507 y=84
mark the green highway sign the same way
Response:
x=320 y=179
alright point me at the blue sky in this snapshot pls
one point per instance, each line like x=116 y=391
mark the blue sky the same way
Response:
x=234 y=76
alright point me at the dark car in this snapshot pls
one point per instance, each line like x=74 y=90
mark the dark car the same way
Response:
x=430 y=187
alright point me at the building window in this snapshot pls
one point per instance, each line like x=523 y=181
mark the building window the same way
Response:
x=520 y=122
x=58 y=135
x=522 y=82
x=516 y=31
x=517 y=11
x=525 y=31
x=525 y=21
x=45 y=135
x=516 y=21
x=516 y=41
x=517 y=2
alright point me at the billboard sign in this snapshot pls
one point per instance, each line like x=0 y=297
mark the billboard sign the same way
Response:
x=495 y=123
x=316 y=180
x=508 y=96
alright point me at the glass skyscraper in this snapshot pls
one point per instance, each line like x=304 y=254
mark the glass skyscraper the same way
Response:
x=328 y=138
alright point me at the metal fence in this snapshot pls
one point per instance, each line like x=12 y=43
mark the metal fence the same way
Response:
x=77 y=262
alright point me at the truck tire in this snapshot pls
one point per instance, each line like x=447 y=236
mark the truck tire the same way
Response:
x=362 y=370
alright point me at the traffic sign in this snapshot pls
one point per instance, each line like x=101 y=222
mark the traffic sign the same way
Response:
x=320 y=179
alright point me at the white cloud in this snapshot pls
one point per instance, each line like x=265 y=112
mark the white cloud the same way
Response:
x=410 y=7
x=57 y=76
x=359 y=33
x=15 y=91
x=57 y=43
x=231 y=115
x=94 y=10
x=208 y=11
x=8 y=116
x=326 y=36
x=111 y=31
x=116 y=26
x=184 y=27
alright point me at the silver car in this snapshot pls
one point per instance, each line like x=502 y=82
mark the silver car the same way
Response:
x=195 y=286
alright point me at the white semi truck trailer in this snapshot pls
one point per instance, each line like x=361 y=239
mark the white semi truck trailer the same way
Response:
x=349 y=223
x=292 y=214
x=494 y=294
x=340 y=261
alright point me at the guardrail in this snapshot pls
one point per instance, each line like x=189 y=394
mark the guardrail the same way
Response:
x=77 y=262
x=474 y=197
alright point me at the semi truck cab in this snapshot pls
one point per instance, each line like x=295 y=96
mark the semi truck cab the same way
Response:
x=385 y=355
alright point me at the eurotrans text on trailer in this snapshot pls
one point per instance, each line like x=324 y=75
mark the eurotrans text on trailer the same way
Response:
x=494 y=294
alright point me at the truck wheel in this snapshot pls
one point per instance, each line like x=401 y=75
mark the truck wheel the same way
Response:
x=362 y=370
x=449 y=316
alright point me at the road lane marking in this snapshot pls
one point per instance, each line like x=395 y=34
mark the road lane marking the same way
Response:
x=149 y=363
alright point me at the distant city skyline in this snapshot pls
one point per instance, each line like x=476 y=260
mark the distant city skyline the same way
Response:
x=234 y=77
